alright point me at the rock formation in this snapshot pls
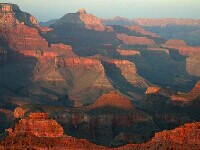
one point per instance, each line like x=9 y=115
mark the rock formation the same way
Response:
x=183 y=137
x=80 y=20
x=19 y=112
x=190 y=96
x=85 y=32
x=133 y=40
x=192 y=65
x=39 y=125
x=159 y=91
x=87 y=74
x=182 y=47
x=124 y=52
x=139 y=29
x=112 y=99
x=37 y=131
x=129 y=72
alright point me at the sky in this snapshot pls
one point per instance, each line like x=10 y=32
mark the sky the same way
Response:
x=45 y=10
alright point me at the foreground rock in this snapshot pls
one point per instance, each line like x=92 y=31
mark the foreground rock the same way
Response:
x=183 y=137
x=38 y=132
x=170 y=108
x=112 y=121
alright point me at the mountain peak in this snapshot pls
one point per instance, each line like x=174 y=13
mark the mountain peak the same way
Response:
x=82 y=11
x=113 y=99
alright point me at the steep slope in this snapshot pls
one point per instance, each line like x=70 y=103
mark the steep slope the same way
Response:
x=183 y=48
x=190 y=96
x=191 y=52
x=133 y=40
x=83 y=31
x=38 y=132
x=112 y=99
x=170 y=108
x=123 y=76
x=86 y=78
x=80 y=20
x=139 y=29
x=168 y=28
x=183 y=137
x=103 y=122
x=36 y=72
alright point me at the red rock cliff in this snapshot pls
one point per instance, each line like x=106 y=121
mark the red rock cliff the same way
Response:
x=39 y=125
x=133 y=40
x=113 y=99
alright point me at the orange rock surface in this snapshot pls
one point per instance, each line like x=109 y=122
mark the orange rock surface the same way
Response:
x=39 y=125
x=19 y=112
x=133 y=40
x=124 y=52
x=190 y=96
x=73 y=62
x=81 y=19
x=113 y=99
x=21 y=38
x=160 y=91
x=182 y=47
x=152 y=90
x=39 y=132
x=141 y=30
x=158 y=49
x=183 y=137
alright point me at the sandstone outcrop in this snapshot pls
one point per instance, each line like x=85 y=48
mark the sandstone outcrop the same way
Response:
x=85 y=32
x=112 y=99
x=192 y=52
x=21 y=38
x=133 y=40
x=80 y=20
x=183 y=137
x=38 y=132
x=19 y=112
x=159 y=91
x=39 y=125
x=139 y=29
x=190 y=96
x=124 y=52
x=87 y=73
x=129 y=72
x=182 y=47
x=192 y=65
x=158 y=49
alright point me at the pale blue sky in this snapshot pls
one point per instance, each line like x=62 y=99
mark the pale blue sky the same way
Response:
x=51 y=9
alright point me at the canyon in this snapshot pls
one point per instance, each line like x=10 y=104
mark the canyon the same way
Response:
x=186 y=136
x=90 y=83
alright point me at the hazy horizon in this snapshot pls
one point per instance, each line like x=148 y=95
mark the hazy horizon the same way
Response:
x=46 y=10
